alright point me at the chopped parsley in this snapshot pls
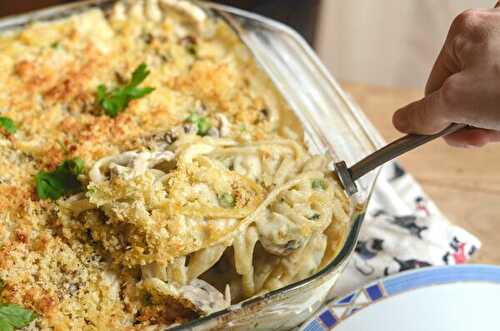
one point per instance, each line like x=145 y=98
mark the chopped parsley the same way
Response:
x=191 y=49
x=190 y=45
x=227 y=200
x=56 y=45
x=7 y=124
x=92 y=189
x=314 y=217
x=318 y=184
x=63 y=180
x=116 y=100
x=202 y=123
x=148 y=299
x=14 y=316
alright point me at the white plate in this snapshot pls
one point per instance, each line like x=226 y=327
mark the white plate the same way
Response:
x=454 y=298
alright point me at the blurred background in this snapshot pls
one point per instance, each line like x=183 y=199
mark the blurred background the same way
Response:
x=382 y=53
x=390 y=42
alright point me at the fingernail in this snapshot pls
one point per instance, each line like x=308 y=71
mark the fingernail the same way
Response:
x=400 y=121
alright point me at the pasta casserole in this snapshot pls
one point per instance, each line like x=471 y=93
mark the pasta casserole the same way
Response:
x=150 y=173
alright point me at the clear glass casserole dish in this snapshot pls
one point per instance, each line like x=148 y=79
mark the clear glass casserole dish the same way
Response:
x=332 y=124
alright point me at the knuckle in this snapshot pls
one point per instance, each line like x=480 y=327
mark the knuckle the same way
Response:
x=467 y=20
x=470 y=26
x=474 y=27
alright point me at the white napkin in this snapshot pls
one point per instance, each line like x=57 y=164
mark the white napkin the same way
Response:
x=403 y=229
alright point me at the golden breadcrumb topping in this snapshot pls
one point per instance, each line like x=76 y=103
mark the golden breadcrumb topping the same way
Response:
x=80 y=262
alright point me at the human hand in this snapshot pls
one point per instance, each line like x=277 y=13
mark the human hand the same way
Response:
x=464 y=85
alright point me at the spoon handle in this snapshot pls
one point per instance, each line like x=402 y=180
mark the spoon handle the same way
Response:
x=395 y=149
x=389 y=152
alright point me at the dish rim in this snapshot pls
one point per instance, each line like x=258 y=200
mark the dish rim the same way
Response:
x=13 y=22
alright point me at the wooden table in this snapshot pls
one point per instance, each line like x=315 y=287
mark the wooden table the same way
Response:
x=464 y=183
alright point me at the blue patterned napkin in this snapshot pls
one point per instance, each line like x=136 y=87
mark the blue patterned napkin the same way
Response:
x=403 y=230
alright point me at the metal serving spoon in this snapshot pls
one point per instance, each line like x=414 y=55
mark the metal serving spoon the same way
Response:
x=348 y=176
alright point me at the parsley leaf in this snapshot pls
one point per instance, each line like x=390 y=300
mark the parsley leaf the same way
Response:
x=63 y=180
x=14 y=316
x=190 y=45
x=4 y=326
x=319 y=184
x=56 y=45
x=148 y=299
x=116 y=100
x=202 y=123
x=226 y=200
x=7 y=124
x=191 y=49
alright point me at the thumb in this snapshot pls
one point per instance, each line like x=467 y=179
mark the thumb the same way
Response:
x=425 y=116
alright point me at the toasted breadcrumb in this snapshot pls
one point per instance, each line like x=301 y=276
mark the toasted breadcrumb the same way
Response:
x=49 y=74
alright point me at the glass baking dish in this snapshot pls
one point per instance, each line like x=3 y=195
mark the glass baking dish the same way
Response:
x=333 y=124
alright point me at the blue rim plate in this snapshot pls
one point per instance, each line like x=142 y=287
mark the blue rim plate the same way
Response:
x=334 y=313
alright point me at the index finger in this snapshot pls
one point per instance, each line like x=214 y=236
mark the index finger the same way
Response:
x=443 y=68
x=447 y=62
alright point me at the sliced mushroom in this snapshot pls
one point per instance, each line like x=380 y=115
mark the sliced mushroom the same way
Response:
x=127 y=165
x=198 y=295
x=204 y=296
